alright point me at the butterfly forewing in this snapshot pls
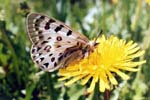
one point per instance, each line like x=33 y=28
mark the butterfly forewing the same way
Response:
x=54 y=44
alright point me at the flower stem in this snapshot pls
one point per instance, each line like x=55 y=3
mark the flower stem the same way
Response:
x=137 y=15
x=106 y=95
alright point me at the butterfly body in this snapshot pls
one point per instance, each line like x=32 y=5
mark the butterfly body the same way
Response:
x=55 y=45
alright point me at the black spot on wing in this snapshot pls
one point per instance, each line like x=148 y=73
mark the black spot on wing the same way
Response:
x=50 y=54
x=69 y=32
x=52 y=59
x=59 y=38
x=58 y=46
x=33 y=50
x=36 y=28
x=58 y=28
x=34 y=57
x=42 y=17
x=55 y=64
x=39 y=32
x=41 y=37
x=49 y=37
x=47 y=26
x=44 y=42
x=35 y=43
x=68 y=42
x=40 y=53
x=60 y=54
x=37 y=62
x=51 y=21
x=37 y=20
x=46 y=64
x=36 y=25
x=38 y=48
x=42 y=59
x=47 y=48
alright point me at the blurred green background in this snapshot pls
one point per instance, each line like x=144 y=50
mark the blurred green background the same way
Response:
x=20 y=79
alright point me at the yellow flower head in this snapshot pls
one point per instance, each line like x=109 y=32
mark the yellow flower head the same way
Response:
x=112 y=56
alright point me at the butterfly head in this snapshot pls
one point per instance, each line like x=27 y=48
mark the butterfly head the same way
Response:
x=93 y=45
x=89 y=48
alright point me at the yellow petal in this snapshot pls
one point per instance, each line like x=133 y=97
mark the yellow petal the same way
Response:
x=64 y=78
x=133 y=50
x=122 y=75
x=129 y=43
x=105 y=79
x=134 y=64
x=137 y=54
x=95 y=77
x=101 y=85
x=132 y=46
x=85 y=80
x=74 y=80
x=92 y=86
x=112 y=78
x=71 y=73
x=129 y=69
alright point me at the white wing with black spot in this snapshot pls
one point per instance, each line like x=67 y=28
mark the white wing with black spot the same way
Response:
x=52 y=42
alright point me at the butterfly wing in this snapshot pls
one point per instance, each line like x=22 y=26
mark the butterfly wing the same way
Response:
x=38 y=24
x=54 y=44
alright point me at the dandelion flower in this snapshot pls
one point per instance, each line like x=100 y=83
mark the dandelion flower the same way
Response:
x=112 y=56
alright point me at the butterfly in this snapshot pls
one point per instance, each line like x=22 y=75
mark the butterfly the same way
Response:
x=54 y=44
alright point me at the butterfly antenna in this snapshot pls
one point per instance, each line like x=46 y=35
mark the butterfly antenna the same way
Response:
x=97 y=36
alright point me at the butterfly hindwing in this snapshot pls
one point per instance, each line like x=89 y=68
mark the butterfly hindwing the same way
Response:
x=51 y=40
x=48 y=55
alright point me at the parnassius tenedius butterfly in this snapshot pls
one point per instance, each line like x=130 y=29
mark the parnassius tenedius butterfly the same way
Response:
x=55 y=45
